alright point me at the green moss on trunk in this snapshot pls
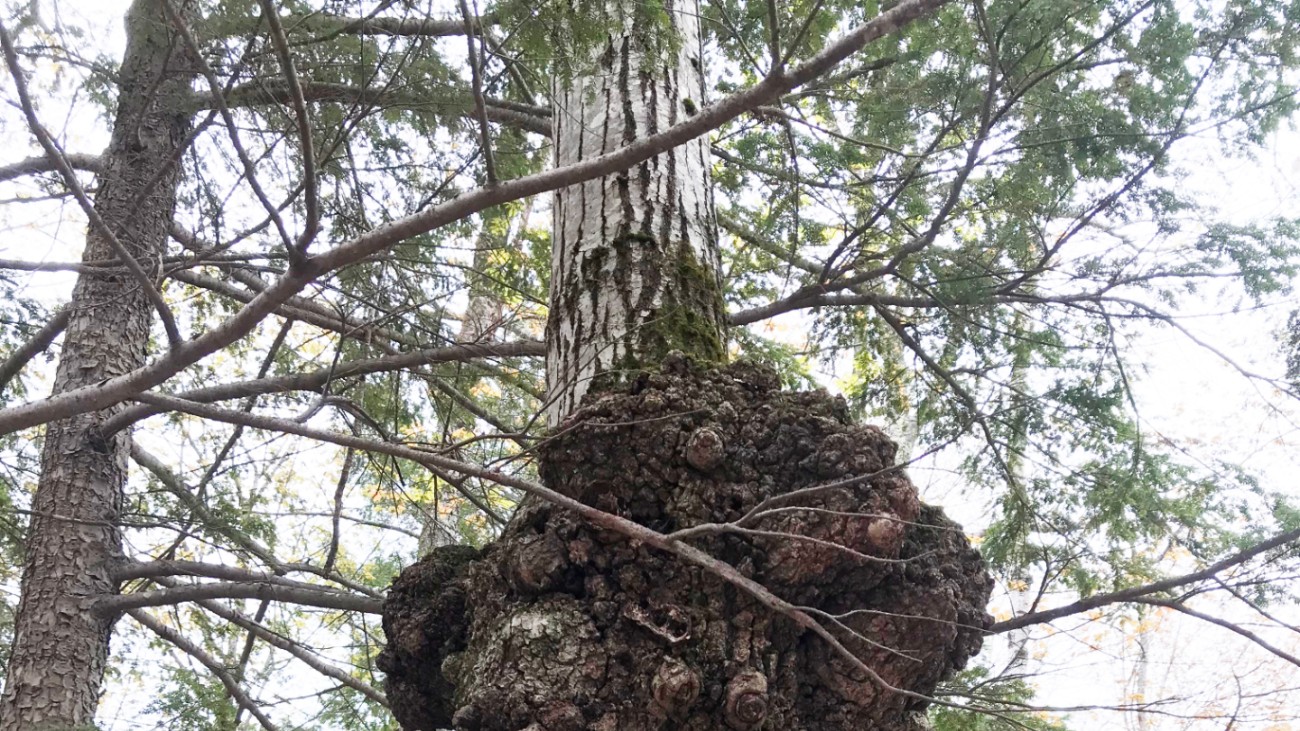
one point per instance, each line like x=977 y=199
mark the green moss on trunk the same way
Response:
x=688 y=317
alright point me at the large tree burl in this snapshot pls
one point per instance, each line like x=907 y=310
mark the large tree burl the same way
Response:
x=559 y=626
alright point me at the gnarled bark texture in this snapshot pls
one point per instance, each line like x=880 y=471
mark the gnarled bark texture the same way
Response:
x=634 y=258
x=560 y=626
x=563 y=626
x=60 y=645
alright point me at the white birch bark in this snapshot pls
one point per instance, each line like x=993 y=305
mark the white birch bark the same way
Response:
x=635 y=263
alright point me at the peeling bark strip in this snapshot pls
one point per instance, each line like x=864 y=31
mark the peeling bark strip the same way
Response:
x=563 y=625
x=635 y=267
x=60 y=646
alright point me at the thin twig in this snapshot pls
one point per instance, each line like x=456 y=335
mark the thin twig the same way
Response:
x=216 y=668
x=38 y=343
x=344 y=474
x=312 y=203
x=293 y=648
x=774 y=38
x=232 y=130
x=433 y=462
x=1155 y=587
x=480 y=106
x=319 y=379
x=176 y=486
x=1230 y=626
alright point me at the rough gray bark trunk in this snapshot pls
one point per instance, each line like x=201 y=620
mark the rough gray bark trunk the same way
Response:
x=635 y=268
x=562 y=625
x=60 y=646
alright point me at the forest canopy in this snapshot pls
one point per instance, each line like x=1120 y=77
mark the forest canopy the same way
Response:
x=297 y=293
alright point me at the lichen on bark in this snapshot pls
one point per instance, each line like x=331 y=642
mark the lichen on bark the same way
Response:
x=563 y=626
x=687 y=319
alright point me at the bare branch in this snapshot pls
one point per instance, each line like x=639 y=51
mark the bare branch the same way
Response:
x=155 y=569
x=324 y=599
x=1230 y=626
x=348 y=517
x=24 y=265
x=388 y=26
x=35 y=345
x=44 y=164
x=219 y=95
x=293 y=648
x=771 y=172
x=435 y=463
x=515 y=114
x=774 y=37
x=267 y=361
x=1257 y=608
x=802 y=33
x=1146 y=590
x=177 y=487
x=312 y=204
x=968 y=400
x=344 y=473
x=736 y=35
x=302 y=309
x=318 y=379
x=477 y=62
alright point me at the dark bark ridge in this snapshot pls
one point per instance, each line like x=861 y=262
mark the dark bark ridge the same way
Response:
x=562 y=626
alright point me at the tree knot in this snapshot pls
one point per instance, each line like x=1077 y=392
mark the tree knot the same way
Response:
x=746 y=700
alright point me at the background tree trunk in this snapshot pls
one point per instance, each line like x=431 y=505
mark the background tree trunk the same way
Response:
x=635 y=267
x=478 y=325
x=61 y=646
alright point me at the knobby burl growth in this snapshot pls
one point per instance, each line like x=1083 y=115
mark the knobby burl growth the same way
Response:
x=560 y=626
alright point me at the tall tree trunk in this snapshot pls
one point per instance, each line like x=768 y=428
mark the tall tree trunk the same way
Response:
x=564 y=625
x=61 y=646
x=635 y=267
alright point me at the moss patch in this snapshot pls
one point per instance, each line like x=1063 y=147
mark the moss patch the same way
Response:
x=688 y=318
